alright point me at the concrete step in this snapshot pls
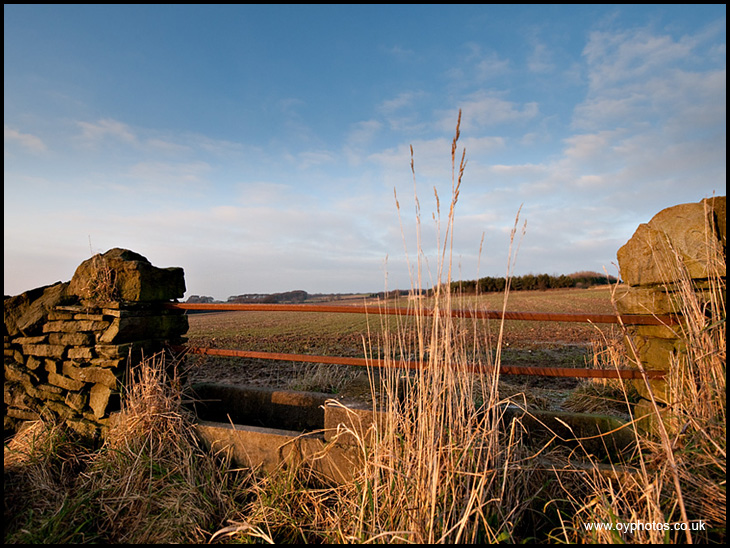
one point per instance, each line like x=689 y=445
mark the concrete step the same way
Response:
x=266 y=428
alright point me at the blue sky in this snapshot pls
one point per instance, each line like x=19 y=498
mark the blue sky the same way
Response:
x=260 y=147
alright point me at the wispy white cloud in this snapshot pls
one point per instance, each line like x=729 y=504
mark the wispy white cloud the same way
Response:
x=221 y=148
x=638 y=77
x=167 y=146
x=400 y=53
x=540 y=60
x=362 y=133
x=431 y=157
x=94 y=133
x=403 y=113
x=314 y=158
x=616 y=58
x=477 y=67
x=589 y=148
x=168 y=176
x=27 y=141
x=359 y=139
x=404 y=100
x=482 y=110
x=257 y=193
x=489 y=65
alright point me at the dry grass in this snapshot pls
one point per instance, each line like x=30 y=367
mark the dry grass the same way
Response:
x=101 y=287
x=150 y=482
x=41 y=464
x=437 y=470
x=322 y=377
x=154 y=484
x=605 y=396
x=678 y=493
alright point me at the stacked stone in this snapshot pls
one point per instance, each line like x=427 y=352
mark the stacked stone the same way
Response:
x=681 y=246
x=69 y=345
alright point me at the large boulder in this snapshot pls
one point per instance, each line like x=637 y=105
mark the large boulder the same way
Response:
x=689 y=235
x=123 y=275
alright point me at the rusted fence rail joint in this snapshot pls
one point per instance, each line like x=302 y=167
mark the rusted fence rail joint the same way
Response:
x=404 y=364
x=638 y=319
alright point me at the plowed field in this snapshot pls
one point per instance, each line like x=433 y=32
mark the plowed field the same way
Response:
x=550 y=344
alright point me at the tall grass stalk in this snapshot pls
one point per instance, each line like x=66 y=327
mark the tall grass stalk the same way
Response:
x=437 y=469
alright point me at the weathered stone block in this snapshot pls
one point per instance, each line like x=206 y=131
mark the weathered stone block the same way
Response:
x=98 y=399
x=33 y=363
x=57 y=314
x=84 y=427
x=685 y=235
x=64 y=382
x=76 y=400
x=656 y=353
x=71 y=339
x=26 y=312
x=47 y=391
x=23 y=414
x=72 y=326
x=113 y=350
x=134 y=328
x=718 y=205
x=40 y=339
x=50 y=366
x=81 y=353
x=18 y=373
x=656 y=331
x=122 y=275
x=107 y=363
x=17 y=396
x=45 y=350
x=91 y=375
x=14 y=355
x=75 y=309
x=85 y=316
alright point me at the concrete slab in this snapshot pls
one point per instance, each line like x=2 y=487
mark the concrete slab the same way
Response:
x=267 y=429
x=258 y=406
x=267 y=449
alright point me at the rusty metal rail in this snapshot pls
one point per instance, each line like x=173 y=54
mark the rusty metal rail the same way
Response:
x=405 y=364
x=581 y=372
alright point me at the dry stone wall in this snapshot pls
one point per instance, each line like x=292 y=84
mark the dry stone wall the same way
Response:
x=68 y=346
x=681 y=248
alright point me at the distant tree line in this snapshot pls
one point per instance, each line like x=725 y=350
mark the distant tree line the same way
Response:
x=198 y=299
x=296 y=296
x=528 y=282
x=395 y=293
x=532 y=282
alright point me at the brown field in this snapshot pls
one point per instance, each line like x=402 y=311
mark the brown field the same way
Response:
x=526 y=343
